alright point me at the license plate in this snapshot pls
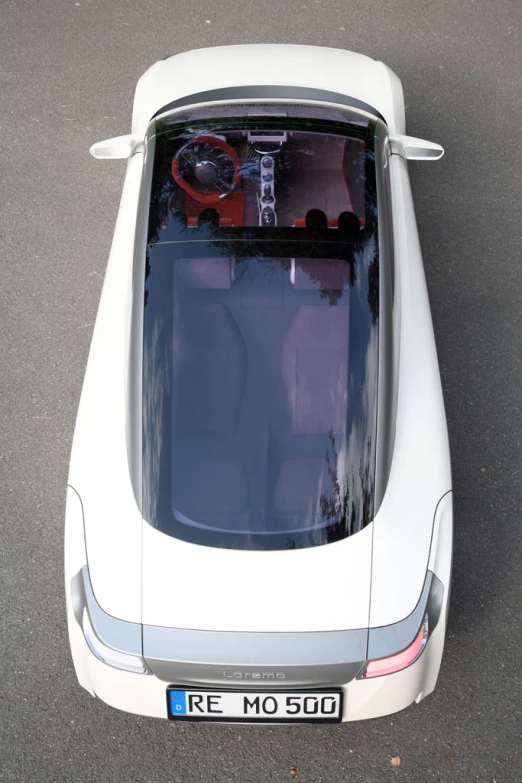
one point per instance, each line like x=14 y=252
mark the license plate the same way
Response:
x=255 y=706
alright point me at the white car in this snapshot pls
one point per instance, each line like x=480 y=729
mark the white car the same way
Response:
x=259 y=511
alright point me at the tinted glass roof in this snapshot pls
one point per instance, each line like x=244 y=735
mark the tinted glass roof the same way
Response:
x=260 y=332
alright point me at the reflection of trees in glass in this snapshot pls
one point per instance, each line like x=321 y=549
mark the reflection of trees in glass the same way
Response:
x=161 y=191
x=367 y=485
x=373 y=287
x=271 y=266
x=274 y=248
x=147 y=273
x=162 y=188
x=355 y=172
x=344 y=516
x=331 y=276
x=335 y=507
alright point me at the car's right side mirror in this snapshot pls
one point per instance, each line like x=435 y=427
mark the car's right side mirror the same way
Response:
x=415 y=149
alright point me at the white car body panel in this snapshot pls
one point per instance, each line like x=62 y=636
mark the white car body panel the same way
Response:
x=99 y=469
x=237 y=590
x=316 y=67
x=420 y=471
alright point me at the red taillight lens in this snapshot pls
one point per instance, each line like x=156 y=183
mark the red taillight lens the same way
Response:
x=400 y=661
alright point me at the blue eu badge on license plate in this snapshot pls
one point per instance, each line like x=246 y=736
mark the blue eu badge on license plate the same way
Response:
x=178 y=702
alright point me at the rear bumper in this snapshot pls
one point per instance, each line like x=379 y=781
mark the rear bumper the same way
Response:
x=145 y=694
x=363 y=699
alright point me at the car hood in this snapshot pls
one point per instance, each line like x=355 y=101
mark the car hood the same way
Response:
x=324 y=588
x=321 y=68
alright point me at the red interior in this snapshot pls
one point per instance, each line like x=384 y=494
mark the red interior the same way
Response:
x=231 y=209
x=324 y=172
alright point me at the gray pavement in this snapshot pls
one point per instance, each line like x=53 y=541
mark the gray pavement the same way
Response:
x=67 y=75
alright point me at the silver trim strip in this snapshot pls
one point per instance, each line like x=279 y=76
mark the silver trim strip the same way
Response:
x=250 y=660
x=120 y=635
x=254 y=649
x=251 y=677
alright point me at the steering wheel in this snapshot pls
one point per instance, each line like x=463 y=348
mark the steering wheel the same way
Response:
x=206 y=170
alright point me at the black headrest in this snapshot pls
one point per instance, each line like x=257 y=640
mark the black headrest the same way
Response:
x=348 y=224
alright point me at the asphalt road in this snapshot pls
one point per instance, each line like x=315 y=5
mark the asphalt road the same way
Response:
x=67 y=75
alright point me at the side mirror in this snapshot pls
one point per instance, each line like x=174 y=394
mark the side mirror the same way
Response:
x=118 y=148
x=415 y=149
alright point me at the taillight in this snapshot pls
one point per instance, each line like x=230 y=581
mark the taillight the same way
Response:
x=400 y=661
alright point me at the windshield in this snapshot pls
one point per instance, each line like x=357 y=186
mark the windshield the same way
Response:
x=260 y=346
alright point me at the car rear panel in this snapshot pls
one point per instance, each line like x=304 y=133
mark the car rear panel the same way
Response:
x=187 y=586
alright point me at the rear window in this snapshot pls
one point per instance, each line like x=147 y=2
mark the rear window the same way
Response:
x=260 y=348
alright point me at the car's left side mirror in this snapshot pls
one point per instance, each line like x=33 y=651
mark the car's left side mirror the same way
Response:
x=415 y=149
x=118 y=148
